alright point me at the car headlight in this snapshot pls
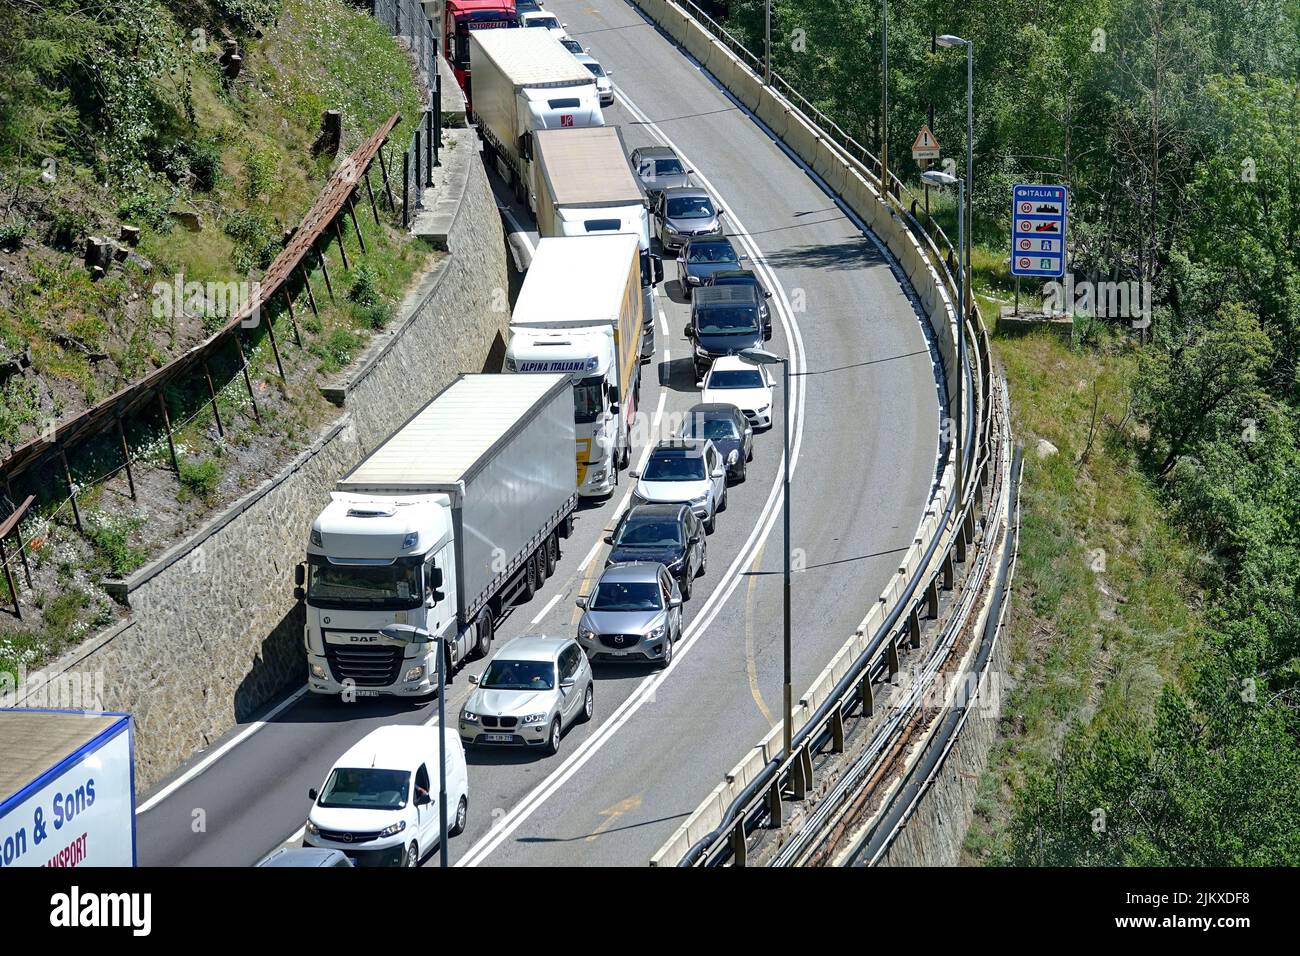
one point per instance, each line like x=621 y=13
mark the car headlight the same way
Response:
x=415 y=673
x=658 y=632
x=733 y=457
x=700 y=500
x=469 y=716
x=692 y=280
x=701 y=352
x=318 y=671
x=312 y=828
x=532 y=719
x=396 y=828
x=597 y=474
x=586 y=634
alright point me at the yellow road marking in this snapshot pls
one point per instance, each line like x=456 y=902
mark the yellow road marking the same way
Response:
x=613 y=813
x=751 y=664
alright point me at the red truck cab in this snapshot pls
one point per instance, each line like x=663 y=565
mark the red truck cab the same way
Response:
x=459 y=17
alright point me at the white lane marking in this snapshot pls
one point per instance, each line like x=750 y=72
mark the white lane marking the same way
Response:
x=644 y=691
x=220 y=752
x=545 y=609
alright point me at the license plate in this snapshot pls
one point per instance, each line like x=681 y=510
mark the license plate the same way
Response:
x=366 y=693
x=498 y=738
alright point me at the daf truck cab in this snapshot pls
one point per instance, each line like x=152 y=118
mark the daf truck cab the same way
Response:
x=580 y=314
x=434 y=534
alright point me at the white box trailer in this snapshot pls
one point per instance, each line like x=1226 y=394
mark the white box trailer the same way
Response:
x=455 y=515
x=525 y=81
x=583 y=185
x=67 y=789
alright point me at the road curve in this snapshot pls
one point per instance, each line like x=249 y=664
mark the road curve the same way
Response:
x=868 y=406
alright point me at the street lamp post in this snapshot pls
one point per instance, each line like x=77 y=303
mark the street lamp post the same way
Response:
x=884 y=99
x=936 y=178
x=418 y=635
x=763 y=357
x=948 y=40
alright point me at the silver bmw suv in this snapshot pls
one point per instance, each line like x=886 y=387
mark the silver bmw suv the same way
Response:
x=532 y=690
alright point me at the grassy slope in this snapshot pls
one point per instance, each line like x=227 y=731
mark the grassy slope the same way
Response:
x=321 y=54
x=1103 y=605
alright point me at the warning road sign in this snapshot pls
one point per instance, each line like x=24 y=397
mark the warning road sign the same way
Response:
x=1038 y=220
x=925 y=146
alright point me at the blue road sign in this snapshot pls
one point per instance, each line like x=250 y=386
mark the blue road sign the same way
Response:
x=1038 y=216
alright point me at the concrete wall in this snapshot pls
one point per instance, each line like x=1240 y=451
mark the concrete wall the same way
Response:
x=214 y=631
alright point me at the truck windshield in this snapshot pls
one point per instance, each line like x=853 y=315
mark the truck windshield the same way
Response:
x=365 y=788
x=519 y=675
x=628 y=596
x=586 y=400
x=394 y=585
x=727 y=321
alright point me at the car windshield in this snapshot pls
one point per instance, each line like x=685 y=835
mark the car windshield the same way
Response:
x=668 y=167
x=674 y=468
x=586 y=399
x=718 y=429
x=594 y=69
x=690 y=207
x=726 y=321
x=366 y=788
x=649 y=532
x=711 y=252
x=394 y=585
x=735 y=378
x=551 y=23
x=627 y=596
x=519 y=675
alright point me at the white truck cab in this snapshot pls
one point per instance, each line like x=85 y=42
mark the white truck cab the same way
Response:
x=379 y=802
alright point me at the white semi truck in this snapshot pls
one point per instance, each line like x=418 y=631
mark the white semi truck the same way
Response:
x=525 y=81
x=580 y=313
x=458 y=513
x=583 y=185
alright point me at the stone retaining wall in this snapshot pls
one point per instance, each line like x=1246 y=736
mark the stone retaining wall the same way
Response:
x=214 y=633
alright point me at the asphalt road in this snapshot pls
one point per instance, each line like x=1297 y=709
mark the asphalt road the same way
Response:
x=867 y=409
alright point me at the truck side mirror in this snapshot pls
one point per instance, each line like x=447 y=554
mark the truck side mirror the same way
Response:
x=300 y=574
x=435 y=585
x=657 y=268
x=665 y=373
x=526 y=146
x=312 y=793
x=299 y=594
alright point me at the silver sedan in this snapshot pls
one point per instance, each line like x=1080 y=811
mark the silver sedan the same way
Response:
x=529 y=693
x=634 y=614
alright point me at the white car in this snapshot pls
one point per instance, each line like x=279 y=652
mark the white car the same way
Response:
x=734 y=381
x=604 y=85
x=689 y=471
x=379 y=802
x=544 y=20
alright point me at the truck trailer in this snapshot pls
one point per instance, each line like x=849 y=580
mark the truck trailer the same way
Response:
x=67 y=788
x=454 y=517
x=584 y=186
x=525 y=81
x=580 y=313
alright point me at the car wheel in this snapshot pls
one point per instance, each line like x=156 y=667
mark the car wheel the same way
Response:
x=412 y=855
x=588 y=705
x=710 y=523
x=704 y=563
x=462 y=811
x=742 y=474
x=553 y=739
x=749 y=455
x=668 y=654
x=686 y=587
x=722 y=505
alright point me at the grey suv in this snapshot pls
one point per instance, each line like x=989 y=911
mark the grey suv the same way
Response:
x=634 y=613
x=684 y=212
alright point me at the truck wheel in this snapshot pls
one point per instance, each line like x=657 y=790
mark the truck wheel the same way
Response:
x=483 y=634
x=553 y=739
x=530 y=579
x=552 y=554
x=540 y=557
x=627 y=455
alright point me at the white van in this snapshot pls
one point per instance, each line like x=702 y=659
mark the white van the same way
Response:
x=379 y=802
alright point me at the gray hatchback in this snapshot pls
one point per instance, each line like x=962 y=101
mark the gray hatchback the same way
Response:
x=685 y=212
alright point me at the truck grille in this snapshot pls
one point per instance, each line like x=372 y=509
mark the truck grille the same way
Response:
x=620 y=640
x=506 y=722
x=353 y=836
x=373 y=665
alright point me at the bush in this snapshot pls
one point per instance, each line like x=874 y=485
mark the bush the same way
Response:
x=337 y=349
x=374 y=316
x=111 y=540
x=256 y=243
x=11 y=236
x=204 y=159
x=199 y=479
x=363 y=291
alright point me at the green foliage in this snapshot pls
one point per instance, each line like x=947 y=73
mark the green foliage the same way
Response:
x=363 y=291
x=256 y=243
x=336 y=349
x=199 y=478
x=111 y=538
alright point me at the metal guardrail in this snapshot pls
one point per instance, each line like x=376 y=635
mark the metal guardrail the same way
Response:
x=762 y=796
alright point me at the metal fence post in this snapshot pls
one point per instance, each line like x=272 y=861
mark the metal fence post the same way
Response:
x=428 y=146
x=406 y=183
x=437 y=111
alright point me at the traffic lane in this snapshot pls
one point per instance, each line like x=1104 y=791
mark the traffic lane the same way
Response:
x=871 y=426
x=254 y=797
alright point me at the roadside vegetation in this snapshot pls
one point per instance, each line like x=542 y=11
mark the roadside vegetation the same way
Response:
x=1153 y=715
x=120 y=115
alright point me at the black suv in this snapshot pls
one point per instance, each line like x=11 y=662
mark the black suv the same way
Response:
x=745 y=277
x=724 y=321
x=670 y=534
